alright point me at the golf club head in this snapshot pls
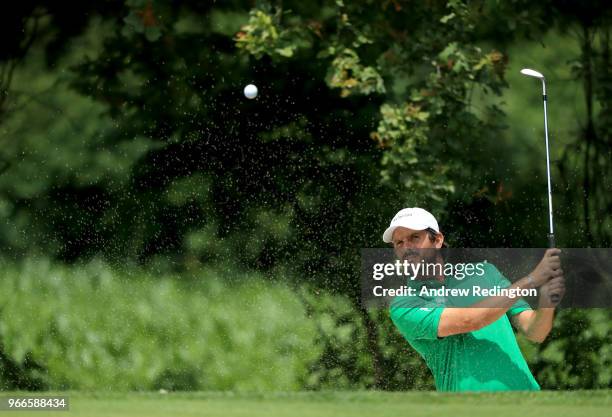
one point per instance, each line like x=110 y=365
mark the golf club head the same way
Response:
x=532 y=73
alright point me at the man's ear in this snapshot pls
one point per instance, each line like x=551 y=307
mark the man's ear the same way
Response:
x=439 y=240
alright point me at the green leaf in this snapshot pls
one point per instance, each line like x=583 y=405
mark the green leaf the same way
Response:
x=445 y=19
x=152 y=33
x=287 y=51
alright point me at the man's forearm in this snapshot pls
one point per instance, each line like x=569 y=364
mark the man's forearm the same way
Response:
x=492 y=308
x=479 y=315
x=540 y=324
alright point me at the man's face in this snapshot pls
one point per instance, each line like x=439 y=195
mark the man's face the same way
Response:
x=407 y=242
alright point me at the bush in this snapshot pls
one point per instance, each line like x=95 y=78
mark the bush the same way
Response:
x=92 y=327
x=577 y=354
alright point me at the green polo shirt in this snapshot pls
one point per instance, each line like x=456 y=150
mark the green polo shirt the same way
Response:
x=488 y=359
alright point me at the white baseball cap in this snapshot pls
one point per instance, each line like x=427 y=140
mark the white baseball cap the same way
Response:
x=414 y=218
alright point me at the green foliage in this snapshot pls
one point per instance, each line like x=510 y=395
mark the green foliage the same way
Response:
x=408 y=163
x=263 y=35
x=95 y=327
x=440 y=68
x=92 y=327
x=61 y=153
x=418 y=136
x=578 y=353
x=142 y=19
x=349 y=75
x=343 y=362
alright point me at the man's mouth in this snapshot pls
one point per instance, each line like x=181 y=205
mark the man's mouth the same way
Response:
x=410 y=254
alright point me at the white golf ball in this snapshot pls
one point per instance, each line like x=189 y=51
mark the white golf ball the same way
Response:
x=250 y=91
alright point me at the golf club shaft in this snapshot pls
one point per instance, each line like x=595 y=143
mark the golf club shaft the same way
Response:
x=550 y=206
x=551 y=236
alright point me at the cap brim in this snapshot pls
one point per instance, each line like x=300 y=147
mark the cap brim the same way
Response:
x=388 y=235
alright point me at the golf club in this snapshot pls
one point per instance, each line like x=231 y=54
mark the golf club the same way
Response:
x=551 y=235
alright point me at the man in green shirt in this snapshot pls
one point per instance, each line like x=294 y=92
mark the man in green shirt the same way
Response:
x=472 y=348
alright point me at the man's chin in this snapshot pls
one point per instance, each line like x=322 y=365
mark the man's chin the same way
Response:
x=413 y=259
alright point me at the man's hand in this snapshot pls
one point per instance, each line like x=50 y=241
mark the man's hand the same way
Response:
x=536 y=325
x=548 y=268
x=548 y=276
x=555 y=286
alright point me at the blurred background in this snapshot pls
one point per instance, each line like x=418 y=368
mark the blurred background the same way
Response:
x=158 y=230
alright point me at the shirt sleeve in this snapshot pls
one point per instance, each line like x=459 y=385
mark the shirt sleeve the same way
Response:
x=497 y=278
x=416 y=318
